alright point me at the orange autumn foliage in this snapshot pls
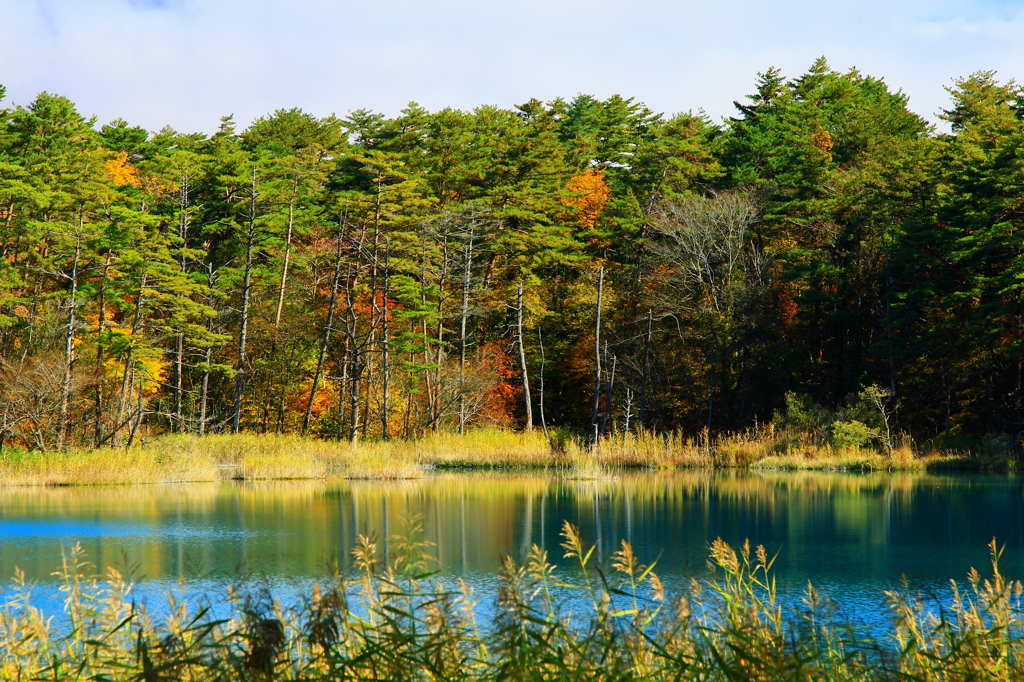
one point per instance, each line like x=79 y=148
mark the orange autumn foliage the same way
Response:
x=822 y=139
x=787 y=309
x=591 y=193
x=326 y=399
x=366 y=306
x=121 y=172
x=502 y=398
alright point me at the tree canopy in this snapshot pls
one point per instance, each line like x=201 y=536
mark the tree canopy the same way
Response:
x=375 y=276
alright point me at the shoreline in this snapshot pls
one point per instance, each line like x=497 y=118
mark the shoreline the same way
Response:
x=254 y=457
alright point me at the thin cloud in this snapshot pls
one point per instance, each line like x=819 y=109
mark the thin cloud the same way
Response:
x=186 y=63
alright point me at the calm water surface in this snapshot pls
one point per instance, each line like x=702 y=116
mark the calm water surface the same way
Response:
x=850 y=534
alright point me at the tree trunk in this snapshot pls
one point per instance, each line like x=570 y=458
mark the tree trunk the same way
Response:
x=945 y=440
x=428 y=381
x=343 y=385
x=138 y=415
x=522 y=357
x=64 y=424
x=353 y=434
x=250 y=243
x=467 y=268
x=101 y=322
x=628 y=411
x=177 y=420
x=287 y=259
x=888 y=325
x=711 y=397
x=540 y=392
x=643 y=376
x=376 y=313
x=385 y=357
x=352 y=342
x=129 y=364
x=597 y=358
x=328 y=324
x=439 y=379
x=609 y=393
x=208 y=356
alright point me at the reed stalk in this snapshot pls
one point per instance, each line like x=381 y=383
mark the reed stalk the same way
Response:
x=185 y=457
x=590 y=622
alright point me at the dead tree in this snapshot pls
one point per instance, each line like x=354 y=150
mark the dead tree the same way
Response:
x=597 y=358
x=64 y=426
x=522 y=357
x=540 y=387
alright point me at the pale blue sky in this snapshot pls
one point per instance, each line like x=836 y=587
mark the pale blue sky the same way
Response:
x=185 y=63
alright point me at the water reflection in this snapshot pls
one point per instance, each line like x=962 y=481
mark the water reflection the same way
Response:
x=841 y=530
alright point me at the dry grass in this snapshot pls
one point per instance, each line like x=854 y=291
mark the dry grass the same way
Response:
x=271 y=456
x=102 y=467
x=647 y=449
x=584 y=464
x=744 y=449
x=852 y=458
x=174 y=458
x=180 y=458
x=478 y=448
x=615 y=621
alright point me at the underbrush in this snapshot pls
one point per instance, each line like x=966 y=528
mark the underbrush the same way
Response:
x=615 y=622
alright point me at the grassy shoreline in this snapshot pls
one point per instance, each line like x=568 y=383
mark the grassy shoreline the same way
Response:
x=188 y=458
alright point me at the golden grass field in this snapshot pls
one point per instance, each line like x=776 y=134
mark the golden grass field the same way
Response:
x=247 y=456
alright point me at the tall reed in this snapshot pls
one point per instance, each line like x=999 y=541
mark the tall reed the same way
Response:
x=614 y=622
x=183 y=457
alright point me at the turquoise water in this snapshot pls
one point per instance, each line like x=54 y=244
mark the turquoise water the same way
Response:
x=850 y=534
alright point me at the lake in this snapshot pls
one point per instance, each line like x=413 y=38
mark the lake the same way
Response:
x=850 y=534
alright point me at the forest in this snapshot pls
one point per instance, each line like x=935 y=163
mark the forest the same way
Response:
x=581 y=263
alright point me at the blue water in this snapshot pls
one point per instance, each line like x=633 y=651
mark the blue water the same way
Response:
x=852 y=535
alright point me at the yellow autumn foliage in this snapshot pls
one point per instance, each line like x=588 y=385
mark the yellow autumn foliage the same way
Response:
x=591 y=193
x=121 y=172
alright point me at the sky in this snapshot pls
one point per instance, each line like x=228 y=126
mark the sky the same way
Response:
x=186 y=63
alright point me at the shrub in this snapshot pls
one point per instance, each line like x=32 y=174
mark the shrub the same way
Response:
x=805 y=416
x=851 y=434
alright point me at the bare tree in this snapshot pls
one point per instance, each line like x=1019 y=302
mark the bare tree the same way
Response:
x=467 y=275
x=609 y=392
x=540 y=387
x=597 y=358
x=627 y=412
x=881 y=400
x=69 y=342
x=457 y=236
x=702 y=241
x=470 y=397
x=701 y=244
x=32 y=393
x=522 y=357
